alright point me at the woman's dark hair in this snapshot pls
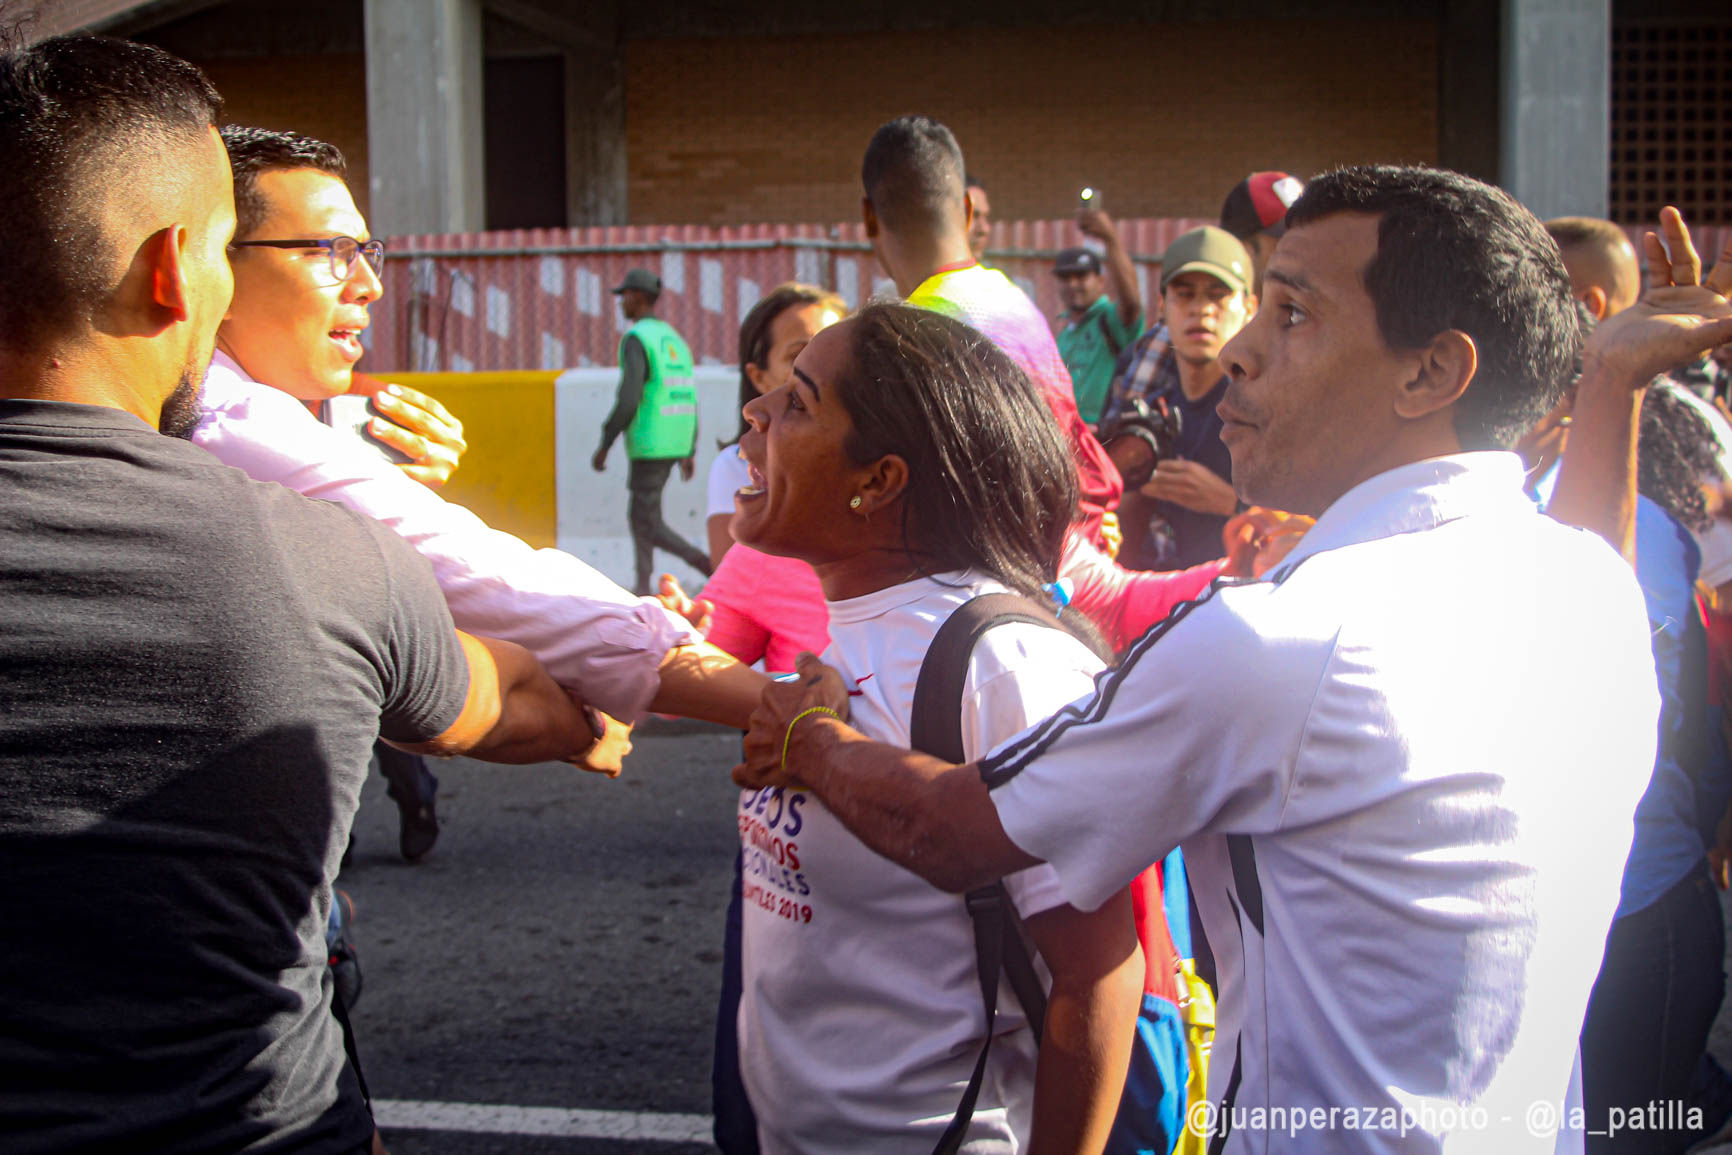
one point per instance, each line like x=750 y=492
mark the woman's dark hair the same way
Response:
x=991 y=485
x=1674 y=452
x=1455 y=253
x=755 y=335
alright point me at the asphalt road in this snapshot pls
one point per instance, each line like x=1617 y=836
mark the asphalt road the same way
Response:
x=560 y=947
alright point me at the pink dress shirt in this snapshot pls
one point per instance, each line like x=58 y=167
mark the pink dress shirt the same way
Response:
x=593 y=636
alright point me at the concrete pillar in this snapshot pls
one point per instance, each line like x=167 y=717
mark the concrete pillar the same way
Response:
x=595 y=153
x=1554 y=153
x=424 y=131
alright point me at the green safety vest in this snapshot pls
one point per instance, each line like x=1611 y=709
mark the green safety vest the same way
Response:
x=666 y=424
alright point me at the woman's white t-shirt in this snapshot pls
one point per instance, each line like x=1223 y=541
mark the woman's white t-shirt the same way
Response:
x=861 y=1017
x=728 y=473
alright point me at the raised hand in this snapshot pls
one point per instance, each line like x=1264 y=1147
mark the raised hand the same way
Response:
x=1096 y=223
x=1680 y=316
x=421 y=429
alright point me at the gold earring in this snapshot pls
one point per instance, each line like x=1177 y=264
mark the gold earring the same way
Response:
x=854 y=502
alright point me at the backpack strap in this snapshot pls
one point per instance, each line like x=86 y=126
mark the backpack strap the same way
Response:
x=935 y=727
x=1242 y=852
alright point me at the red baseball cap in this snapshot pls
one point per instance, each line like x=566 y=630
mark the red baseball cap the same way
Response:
x=1259 y=204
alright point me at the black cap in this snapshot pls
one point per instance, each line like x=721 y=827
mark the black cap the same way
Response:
x=1076 y=261
x=642 y=280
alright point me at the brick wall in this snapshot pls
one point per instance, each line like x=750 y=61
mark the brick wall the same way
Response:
x=1163 y=118
x=323 y=96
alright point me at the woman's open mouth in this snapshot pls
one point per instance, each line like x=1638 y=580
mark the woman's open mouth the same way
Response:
x=754 y=488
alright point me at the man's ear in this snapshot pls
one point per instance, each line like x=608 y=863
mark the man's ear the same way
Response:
x=1596 y=300
x=164 y=254
x=869 y=216
x=1445 y=367
x=883 y=485
x=967 y=210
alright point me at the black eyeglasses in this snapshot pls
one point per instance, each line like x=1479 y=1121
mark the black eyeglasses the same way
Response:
x=342 y=250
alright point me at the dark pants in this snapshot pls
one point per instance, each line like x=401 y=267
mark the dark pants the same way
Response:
x=411 y=781
x=736 y=1127
x=1649 y=1015
x=648 y=531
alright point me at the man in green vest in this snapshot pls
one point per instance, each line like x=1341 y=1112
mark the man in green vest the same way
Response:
x=657 y=410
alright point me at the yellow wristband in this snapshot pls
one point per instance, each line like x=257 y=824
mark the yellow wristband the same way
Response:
x=789 y=736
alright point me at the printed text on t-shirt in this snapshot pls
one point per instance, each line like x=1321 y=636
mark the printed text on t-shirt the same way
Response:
x=770 y=857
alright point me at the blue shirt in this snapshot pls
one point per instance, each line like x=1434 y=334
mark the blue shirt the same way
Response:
x=1692 y=779
x=1684 y=799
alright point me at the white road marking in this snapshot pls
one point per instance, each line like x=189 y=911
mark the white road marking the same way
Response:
x=493 y=1119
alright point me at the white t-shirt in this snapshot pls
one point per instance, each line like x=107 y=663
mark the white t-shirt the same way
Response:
x=727 y=474
x=861 y=1017
x=1433 y=721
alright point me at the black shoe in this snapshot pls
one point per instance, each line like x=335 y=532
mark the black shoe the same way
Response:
x=420 y=823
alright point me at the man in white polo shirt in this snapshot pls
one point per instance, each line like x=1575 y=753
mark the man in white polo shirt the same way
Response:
x=1404 y=764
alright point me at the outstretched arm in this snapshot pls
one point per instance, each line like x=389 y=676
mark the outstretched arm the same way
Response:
x=1680 y=316
x=701 y=681
x=924 y=814
x=513 y=711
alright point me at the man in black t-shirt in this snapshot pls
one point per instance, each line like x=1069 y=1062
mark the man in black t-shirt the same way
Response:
x=193 y=666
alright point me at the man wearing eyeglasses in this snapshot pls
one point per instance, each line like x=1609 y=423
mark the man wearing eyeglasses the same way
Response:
x=305 y=273
x=303 y=282
x=291 y=335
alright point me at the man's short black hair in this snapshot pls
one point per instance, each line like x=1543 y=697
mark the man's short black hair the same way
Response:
x=253 y=151
x=76 y=115
x=913 y=174
x=1456 y=253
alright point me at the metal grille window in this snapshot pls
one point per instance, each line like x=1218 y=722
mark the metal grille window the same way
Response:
x=1671 y=121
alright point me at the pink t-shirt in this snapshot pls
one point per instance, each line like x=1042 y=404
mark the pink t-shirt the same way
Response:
x=767 y=607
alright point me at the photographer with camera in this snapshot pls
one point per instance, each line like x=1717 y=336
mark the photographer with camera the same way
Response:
x=1161 y=428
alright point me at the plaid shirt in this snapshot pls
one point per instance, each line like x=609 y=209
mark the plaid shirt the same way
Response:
x=1145 y=369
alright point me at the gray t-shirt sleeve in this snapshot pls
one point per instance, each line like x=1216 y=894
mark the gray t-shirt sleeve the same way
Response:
x=426 y=675
x=633 y=376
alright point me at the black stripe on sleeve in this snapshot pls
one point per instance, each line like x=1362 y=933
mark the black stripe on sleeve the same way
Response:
x=1000 y=768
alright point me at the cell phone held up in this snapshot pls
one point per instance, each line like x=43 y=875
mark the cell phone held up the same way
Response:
x=351 y=413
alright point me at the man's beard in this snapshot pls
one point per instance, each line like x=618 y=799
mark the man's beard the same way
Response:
x=184 y=407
